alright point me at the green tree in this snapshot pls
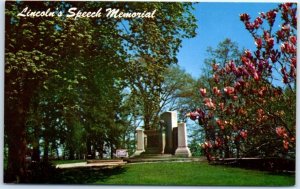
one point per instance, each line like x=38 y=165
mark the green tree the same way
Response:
x=28 y=62
x=155 y=44
x=178 y=91
x=79 y=68
x=37 y=49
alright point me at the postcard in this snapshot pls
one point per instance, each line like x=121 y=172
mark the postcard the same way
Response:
x=150 y=93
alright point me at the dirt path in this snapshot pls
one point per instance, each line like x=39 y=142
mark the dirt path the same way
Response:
x=86 y=164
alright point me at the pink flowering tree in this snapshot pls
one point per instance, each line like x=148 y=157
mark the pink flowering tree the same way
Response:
x=247 y=111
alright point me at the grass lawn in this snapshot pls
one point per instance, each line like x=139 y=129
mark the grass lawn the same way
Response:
x=57 y=162
x=175 y=173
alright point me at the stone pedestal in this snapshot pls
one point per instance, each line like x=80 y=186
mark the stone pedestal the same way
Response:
x=154 y=142
x=182 y=149
x=140 y=142
x=170 y=122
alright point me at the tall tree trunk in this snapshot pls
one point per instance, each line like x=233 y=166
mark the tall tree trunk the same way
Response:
x=100 y=148
x=16 y=139
x=71 y=154
x=57 y=153
x=16 y=111
x=88 y=148
x=36 y=152
x=112 y=149
x=36 y=144
x=46 y=150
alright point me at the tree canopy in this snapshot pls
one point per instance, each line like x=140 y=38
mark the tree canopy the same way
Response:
x=66 y=78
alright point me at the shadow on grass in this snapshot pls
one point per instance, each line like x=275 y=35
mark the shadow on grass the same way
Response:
x=280 y=173
x=85 y=175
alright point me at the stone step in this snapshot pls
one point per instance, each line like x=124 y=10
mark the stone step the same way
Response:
x=172 y=159
x=144 y=155
x=104 y=161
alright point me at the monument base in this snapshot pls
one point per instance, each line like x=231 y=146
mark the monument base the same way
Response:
x=137 y=153
x=183 y=152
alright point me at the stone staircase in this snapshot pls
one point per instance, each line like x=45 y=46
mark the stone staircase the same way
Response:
x=147 y=158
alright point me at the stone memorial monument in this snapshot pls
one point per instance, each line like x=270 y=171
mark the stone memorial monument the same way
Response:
x=140 y=148
x=170 y=122
x=182 y=149
x=162 y=140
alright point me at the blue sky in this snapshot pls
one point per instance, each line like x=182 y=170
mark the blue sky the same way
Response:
x=217 y=21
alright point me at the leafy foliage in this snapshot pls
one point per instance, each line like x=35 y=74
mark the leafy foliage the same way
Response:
x=65 y=79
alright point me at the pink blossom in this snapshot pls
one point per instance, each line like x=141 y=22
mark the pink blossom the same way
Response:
x=292 y=49
x=286 y=28
x=208 y=102
x=262 y=90
x=245 y=60
x=293 y=40
x=207 y=144
x=293 y=139
x=216 y=91
x=237 y=85
x=248 y=54
x=274 y=56
x=202 y=91
x=229 y=90
x=251 y=67
x=245 y=72
x=220 y=123
x=260 y=113
x=266 y=35
x=271 y=15
x=280 y=34
x=283 y=47
x=280 y=131
x=258 y=43
x=215 y=67
x=193 y=115
x=250 y=26
x=221 y=105
x=255 y=76
x=286 y=6
x=270 y=42
x=293 y=62
x=232 y=66
x=258 y=21
x=261 y=65
x=244 y=17
x=227 y=68
x=218 y=142
x=293 y=72
x=288 y=48
x=244 y=134
x=262 y=14
x=235 y=97
x=216 y=78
